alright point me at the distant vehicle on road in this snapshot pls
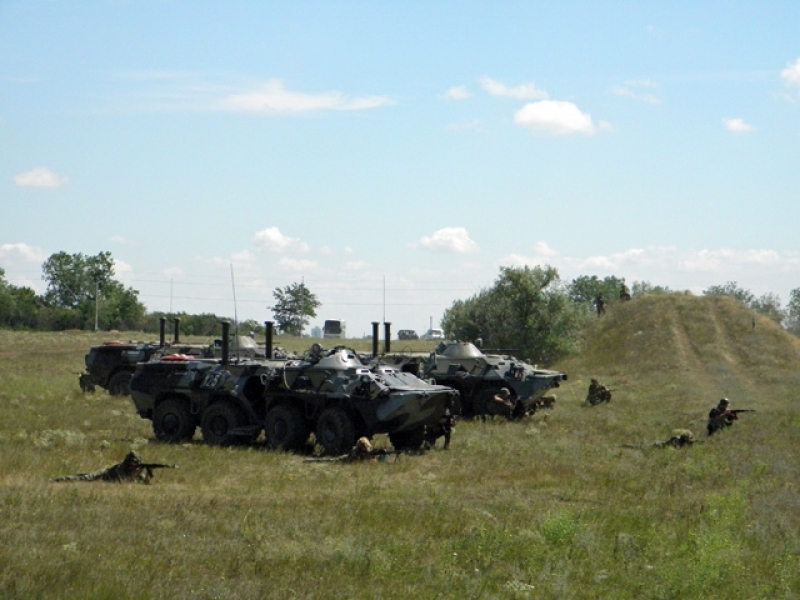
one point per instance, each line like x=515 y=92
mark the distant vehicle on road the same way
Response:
x=334 y=328
x=407 y=334
x=434 y=334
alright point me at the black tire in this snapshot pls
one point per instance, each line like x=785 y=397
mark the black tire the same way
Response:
x=217 y=423
x=286 y=429
x=335 y=431
x=172 y=421
x=408 y=440
x=120 y=384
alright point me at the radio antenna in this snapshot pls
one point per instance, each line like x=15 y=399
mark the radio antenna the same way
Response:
x=235 y=314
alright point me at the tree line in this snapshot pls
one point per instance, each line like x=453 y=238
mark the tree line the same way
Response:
x=530 y=311
x=82 y=293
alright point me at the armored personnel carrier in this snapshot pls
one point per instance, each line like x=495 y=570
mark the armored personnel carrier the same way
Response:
x=330 y=394
x=111 y=365
x=479 y=377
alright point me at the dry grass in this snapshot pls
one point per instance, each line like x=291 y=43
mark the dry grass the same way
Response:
x=549 y=508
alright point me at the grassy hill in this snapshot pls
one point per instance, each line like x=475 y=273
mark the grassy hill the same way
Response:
x=552 y=507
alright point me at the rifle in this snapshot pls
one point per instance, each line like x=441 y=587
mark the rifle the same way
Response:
x=741 y=410
x=150 y=466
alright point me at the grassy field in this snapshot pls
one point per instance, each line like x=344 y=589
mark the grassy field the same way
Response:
x=552 y=507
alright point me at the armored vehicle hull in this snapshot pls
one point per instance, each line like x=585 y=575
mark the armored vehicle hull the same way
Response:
x=111 y=365
x=479 y=377
x=334 y=396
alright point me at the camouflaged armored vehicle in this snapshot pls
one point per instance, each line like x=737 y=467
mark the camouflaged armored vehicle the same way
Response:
x=479 y=377
x=330 y=394
x=111 y=365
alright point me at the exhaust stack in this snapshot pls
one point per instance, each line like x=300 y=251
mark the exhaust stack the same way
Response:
x=226 y=328
x=268 y=348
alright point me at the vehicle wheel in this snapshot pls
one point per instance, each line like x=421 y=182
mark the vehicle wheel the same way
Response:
x=172 y=421
x=120 y=384
x=335 y=431
x=408 y=440
x=217 y=423
x=286 y=428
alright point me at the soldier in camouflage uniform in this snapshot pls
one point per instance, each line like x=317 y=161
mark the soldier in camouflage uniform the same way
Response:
x=597 y=393
x=443 y=428
x=600 y=304
x=129 y=470
x=681 y=438
x=85 y=381
x=720 y=417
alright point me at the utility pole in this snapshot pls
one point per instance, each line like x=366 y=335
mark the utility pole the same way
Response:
x=96 y=304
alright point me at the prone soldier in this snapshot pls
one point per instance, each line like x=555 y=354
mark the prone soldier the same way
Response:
x=131 y=469
x=680 y=438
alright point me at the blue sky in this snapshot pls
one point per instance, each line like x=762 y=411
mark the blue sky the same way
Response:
x=394 y=155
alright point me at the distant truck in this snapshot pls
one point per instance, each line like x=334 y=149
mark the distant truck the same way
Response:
x=334 y=328
x=434 y=334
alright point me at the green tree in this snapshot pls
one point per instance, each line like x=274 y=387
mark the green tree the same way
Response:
x=19 y=306
x=643 y=288
x=792 y=313
x=769 y=305
x=527 y=312
x=73 y=279
x=294 y=306
x=74 y=282
x=584 y=289
x=733 y=290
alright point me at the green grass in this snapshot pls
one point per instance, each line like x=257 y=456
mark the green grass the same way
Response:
x=551 y=507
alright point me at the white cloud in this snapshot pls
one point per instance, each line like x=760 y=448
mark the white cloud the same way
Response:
x=542 y=249
x=173 y=272
x=737 y=125
x=356 y=265
x=468 y=126
x=526 y=91
x=274 y=98
x=791 y=74
x=676 y=268
x=457 y=93
x=294 y=264
x=245 y=256
x=23 y=252
x=449 y=239
x=556 y=117
x=122 y=268
x=273 y=240
x=630 y=89
x=118 y=239
x=41 y=177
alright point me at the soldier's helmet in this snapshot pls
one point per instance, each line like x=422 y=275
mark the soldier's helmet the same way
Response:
x=724 y=402
x=133 y=458
x=363 y=444
x=594 y=380
x=684 y=435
